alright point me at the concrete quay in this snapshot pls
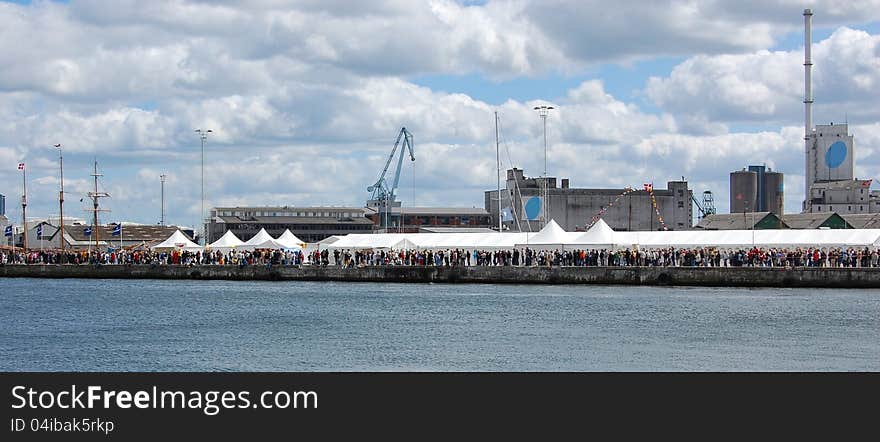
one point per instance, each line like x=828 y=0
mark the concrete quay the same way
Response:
x=679 y=276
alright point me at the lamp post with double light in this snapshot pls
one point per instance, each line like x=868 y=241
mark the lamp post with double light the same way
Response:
x=203 y=136
x=543 y=112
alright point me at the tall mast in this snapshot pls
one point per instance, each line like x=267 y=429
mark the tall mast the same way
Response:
x=94 y=196
x=498 y=169
x=24 y=208
x=61 y=204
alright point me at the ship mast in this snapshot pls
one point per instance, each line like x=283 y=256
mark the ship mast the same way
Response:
x=23 y=208
x=498 y=170
x=62 y=258
x=94 y=196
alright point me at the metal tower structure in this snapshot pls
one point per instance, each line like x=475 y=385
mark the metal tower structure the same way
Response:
x=707 y=206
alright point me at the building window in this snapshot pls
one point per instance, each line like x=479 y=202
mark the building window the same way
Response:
x=681 y=204
x=848 y=208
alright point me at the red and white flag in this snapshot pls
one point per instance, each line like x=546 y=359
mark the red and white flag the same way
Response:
x=649 y=187
x=20 y=166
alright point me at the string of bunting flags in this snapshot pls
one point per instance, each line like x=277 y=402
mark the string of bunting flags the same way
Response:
x=626 y=191
x=648 y=187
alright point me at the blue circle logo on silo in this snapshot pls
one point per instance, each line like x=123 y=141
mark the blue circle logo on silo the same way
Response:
x=835 y=155
x=533 y=208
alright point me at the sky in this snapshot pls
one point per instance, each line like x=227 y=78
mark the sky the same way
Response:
x=305 y=98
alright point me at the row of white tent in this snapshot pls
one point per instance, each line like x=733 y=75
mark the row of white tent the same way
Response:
x=229 y=242
x=601 y=236
x=552 y=236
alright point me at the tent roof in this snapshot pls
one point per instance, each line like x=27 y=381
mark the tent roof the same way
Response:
x=330 y=239
x=262 y=240
x=177 y=240
x=551 y=235
x=598 y=234
x=290 y=241
x=227 y=241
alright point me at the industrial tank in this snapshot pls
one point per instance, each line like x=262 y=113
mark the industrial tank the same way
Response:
x=743 y=191
x=774 y=194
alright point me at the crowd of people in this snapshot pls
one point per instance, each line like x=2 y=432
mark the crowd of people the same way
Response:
x=668 y=257
x=146 y=257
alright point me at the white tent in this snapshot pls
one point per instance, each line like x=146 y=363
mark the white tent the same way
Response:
x=177 y=241
x=290 y=241
x=226 y=242
x=262 y=240
x=369 y=241
x=506 y=240
x=552 y=236
x=330 y=240
x=600 y=235
x=748 y=238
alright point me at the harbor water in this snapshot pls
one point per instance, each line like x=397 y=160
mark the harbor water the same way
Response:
x=190 y=325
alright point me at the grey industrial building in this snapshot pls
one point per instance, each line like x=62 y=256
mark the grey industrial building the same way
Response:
x=831 y=185
x=573 y=208
x=416 y=219
x=757 y=189
x=310 y=224
x=829 y=154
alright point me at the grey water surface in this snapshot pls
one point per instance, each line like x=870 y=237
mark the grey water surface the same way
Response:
x=153 y=325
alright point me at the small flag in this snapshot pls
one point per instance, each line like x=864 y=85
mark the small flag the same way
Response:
x=8 y=231
x=649 y=187
x=866 y=183
x=40 y=231
x=506 y=214
x=20 y=166
x=117 y=230
x=87 y=231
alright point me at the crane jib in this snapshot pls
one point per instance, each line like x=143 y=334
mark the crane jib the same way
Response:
x=380 y=190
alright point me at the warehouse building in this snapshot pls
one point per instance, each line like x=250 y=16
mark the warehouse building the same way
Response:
x=310 y=224
x=416 y=219
x=574 y=209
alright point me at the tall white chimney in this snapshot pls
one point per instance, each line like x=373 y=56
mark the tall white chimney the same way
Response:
x=808 y=104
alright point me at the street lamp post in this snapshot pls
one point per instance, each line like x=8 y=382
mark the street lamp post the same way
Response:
x=61 y=203
x=543 y=111
x=203 y=135
x=162 y=203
